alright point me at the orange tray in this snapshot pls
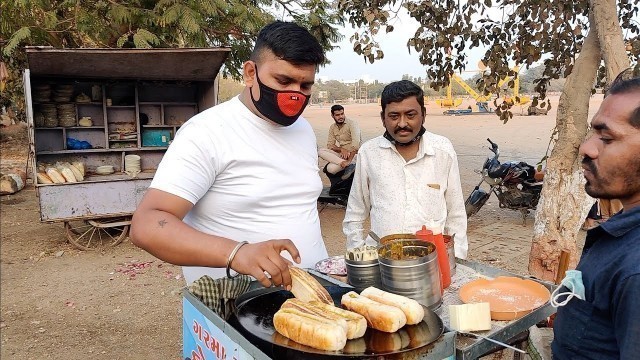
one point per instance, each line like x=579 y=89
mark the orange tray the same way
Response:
x=509 y=297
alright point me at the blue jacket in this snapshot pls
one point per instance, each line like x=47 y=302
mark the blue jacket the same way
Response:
x=606 y=325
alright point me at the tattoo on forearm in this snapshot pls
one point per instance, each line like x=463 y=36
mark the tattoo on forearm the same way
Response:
x=162 y=223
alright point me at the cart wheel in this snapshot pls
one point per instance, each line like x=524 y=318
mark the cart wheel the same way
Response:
x=97 y=234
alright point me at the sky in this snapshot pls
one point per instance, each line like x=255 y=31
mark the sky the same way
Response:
x=348 y=66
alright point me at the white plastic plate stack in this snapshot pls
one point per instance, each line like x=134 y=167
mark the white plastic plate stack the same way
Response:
x=104 y=170
x=132 y=165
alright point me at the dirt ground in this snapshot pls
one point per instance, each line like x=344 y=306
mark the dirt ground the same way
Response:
x=57 y=302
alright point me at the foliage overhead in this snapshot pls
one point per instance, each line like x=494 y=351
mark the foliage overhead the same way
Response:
x=513 y=33
x=159 y=23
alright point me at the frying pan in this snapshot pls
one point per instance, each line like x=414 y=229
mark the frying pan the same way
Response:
x=254 y=319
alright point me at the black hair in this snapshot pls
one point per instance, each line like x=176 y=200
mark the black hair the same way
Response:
x=400 y=90
x=336 y=107
x=288 y=41
x=625 y=83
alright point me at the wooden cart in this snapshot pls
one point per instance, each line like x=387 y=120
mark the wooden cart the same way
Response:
x=135 y=101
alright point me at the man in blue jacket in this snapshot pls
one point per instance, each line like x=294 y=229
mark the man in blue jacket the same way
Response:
x=600 y=319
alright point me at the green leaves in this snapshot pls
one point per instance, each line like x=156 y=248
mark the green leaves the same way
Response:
x=17 y=37
x=514 y=33
x=144 y=39
x=164 y=23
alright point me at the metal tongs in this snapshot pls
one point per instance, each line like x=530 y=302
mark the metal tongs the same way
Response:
x=491 y=340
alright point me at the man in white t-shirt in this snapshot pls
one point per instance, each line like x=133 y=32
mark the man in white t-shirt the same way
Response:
x=238 y=187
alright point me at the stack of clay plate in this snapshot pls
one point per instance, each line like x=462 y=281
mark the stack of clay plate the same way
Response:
x=66 y=115
x=132 y=165
x=38 y=119
x=50 y=115
x=104 y=170
x=63 y=93
x=41 y=93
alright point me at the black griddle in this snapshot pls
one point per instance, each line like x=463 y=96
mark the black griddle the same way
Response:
x=254 y=319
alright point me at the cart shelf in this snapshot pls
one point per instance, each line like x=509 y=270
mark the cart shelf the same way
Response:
x=181 y=83
x=180 y=103
x=117 y=176
x=69 y=127
x=67 y=102
x=55 y=152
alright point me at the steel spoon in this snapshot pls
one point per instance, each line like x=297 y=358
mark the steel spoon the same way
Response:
x=374 y=236
x=493 y=341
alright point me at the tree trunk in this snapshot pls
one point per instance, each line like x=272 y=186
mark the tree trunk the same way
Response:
x=563 y=203
x=605 y=22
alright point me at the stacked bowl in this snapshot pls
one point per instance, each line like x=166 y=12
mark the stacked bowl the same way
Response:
x=66 y=115
x=63 y=93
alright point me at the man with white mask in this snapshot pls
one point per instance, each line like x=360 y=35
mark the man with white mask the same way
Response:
x=600 y=316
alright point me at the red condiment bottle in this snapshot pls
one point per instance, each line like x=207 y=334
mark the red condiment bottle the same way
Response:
x=441 y=250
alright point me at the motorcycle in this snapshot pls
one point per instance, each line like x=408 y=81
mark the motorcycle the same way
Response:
x=338 y=192
x=514 y=183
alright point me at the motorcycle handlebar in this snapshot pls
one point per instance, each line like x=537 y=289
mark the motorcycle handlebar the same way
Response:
x=494 y=146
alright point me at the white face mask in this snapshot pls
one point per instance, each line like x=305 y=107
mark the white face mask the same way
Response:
x=572 y=281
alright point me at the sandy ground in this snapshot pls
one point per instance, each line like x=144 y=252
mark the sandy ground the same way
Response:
x=57 y=302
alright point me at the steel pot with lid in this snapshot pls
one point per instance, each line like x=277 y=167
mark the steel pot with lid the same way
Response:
x=409 y=267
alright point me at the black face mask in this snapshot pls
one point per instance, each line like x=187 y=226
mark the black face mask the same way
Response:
x=281 y=107
x=388 y=136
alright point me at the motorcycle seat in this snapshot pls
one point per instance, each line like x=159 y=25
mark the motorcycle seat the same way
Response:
x=533 y=184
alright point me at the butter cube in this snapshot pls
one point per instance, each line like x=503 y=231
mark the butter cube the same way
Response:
x=470 y=317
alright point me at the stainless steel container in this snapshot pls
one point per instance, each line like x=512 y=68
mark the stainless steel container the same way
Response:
x=410 y=268
x=362 y=274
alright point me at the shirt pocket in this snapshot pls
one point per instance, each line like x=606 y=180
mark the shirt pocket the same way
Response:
x=431 y=200
x=577 y=316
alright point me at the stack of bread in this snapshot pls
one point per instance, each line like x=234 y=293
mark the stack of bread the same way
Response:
x=60 y=172
x=312 y=319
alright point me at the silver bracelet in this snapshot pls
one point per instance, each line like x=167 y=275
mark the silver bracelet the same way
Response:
x=232 y=255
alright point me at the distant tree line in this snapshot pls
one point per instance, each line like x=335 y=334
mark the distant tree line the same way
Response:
x=335 y=90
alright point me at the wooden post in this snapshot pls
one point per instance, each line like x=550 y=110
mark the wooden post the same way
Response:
x=563 y=265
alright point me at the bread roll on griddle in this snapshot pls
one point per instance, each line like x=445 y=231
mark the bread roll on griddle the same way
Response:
x=411 y=308
x=379 y=316
x=310 y=330
x=306 y=288
x=308 y=308
x=356 y=323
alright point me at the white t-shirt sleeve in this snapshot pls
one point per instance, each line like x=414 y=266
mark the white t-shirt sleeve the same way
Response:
x=188 y=168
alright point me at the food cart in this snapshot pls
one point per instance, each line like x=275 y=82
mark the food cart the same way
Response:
x=111 y=114
x=208 y=336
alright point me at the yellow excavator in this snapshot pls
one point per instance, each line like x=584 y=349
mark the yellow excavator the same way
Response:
x=449 y=101
x=481 y=100
x=522 y=100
